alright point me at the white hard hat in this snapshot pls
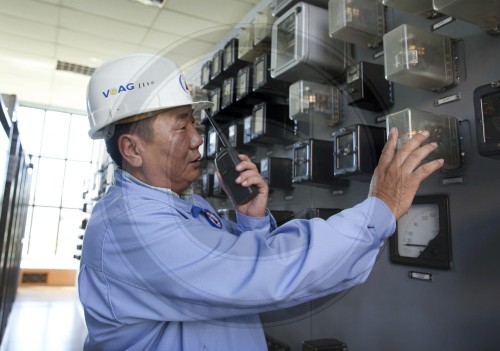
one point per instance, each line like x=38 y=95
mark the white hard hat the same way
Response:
x=132 y=85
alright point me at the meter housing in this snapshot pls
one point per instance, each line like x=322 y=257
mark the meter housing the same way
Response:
x=316 y=101
x=421 y=8
x=356 y=151
x=277 y=172
x=302 y=49
x=487 y=112
x=359 y=22
x=418 y=58
x=312 y=163
x=367 y=87
x=444 y=130
x=483 y=13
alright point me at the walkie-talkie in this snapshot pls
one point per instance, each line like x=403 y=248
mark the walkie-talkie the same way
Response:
x=226 y=161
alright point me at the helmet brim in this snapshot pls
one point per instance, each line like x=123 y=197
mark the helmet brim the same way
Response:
x=202 y=105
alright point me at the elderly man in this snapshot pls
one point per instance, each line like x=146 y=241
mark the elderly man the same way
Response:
x=161 y=271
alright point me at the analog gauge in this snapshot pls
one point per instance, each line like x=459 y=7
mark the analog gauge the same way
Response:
x=423 y=235
x=417 y=228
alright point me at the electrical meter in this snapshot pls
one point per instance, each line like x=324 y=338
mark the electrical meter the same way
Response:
x=231 y=63
x=314 y=100
x=357 y=21
x=247 y=129
x=245 y=44
x=281 y=6
x=443 y=130
x=271 y=124
x=235 y=133
x=277 y=172
x=422 y=8
x=255 y=38
x=262 y=80
x=216 y=75
x=487 y=111
x=230 y=104
x=262 y=29
x=205 y=79
x=483 y=13
x=302 y=49
x=356 y=151
x=228 y=93
x=312 y=163
x=423 y=234
x=214 y=96
x=244 y=83
x=367 y=87
x=418 y=58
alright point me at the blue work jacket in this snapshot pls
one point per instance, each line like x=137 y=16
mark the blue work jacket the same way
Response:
x=161 y=273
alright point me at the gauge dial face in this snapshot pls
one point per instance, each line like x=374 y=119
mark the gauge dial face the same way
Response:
x=417 y=228
x=423 y=235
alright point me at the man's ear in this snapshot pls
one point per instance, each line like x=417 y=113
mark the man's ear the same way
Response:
x=129 y=148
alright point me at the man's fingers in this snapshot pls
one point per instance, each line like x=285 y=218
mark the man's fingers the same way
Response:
x=428 y=168
x=245 y=164
x=389 y=148
x=416 y=157
x=411 y=145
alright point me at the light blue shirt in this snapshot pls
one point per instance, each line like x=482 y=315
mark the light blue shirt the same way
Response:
x=157 y=272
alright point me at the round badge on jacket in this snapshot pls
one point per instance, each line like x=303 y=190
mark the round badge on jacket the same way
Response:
x=212 y=219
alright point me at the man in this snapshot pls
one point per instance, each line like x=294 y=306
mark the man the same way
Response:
x=161 y=271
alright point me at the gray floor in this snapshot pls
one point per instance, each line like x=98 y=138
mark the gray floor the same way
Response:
x=43 y=319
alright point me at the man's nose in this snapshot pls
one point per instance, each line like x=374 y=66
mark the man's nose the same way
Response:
x=196 y=139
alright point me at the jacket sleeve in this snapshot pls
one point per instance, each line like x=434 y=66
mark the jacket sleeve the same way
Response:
x=171 y=268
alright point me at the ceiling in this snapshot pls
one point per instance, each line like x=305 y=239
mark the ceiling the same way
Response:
x=35 y=34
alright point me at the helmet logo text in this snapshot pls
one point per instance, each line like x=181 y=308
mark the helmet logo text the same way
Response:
x=120 y=89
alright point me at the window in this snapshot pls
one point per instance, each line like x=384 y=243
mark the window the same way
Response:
x=63 y=156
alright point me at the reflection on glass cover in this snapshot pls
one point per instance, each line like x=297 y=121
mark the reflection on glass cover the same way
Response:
x=286 y=41
x=443 y=130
